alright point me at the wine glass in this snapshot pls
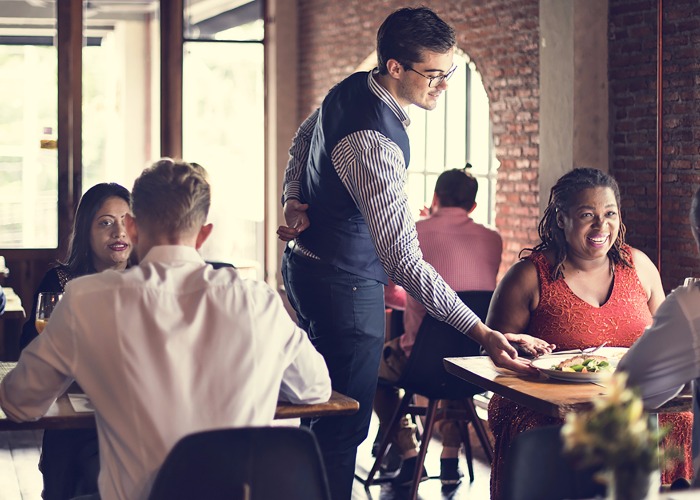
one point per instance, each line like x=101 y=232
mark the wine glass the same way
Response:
x=690 y=281
x=44 y=307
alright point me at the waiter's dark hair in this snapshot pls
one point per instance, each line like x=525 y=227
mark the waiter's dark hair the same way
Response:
x=409 y=31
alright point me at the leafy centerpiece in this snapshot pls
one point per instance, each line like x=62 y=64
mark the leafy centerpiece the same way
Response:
x=616 y=434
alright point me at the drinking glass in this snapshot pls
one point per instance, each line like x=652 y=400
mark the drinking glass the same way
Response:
x=690 y=281
x=44 y=307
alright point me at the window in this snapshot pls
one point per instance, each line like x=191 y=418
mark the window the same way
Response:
x=456 y=132
x=120 y=87
x=28 y=160
x=223 y=129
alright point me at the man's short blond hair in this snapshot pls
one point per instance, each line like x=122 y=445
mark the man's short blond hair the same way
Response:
x=171 y=197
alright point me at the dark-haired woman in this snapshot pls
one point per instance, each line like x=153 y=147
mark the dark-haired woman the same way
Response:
x=69 y=458
x=580 y=287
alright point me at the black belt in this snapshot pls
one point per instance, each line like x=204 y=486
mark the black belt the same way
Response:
x=296 y=250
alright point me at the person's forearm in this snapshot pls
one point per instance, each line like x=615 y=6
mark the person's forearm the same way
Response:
x=366 y=158
x=298 y=156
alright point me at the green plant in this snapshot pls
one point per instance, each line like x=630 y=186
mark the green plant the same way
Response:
x=615 y=433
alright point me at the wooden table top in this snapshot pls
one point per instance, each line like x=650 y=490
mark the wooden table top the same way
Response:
x=61 y=414
x=13 y=308
x=551 y=397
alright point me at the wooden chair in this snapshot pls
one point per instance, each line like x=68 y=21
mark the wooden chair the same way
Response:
x=252 y=463
x=425 y=375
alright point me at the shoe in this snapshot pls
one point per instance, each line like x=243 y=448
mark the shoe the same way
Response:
x=450 y=475
x=405 y=475
x=391 y=463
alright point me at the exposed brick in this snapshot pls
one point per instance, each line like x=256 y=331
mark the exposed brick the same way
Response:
x=501 y=37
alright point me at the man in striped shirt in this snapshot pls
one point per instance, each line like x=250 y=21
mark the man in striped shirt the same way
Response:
x=350 y=227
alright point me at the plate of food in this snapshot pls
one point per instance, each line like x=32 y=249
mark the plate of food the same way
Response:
x=581 y=367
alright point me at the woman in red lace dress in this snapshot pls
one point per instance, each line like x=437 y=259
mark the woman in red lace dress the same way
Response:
x=581 y=286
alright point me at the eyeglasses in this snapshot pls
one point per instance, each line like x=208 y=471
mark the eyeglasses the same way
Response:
x=434 y=81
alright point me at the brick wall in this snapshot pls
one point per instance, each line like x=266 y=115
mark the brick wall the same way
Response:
x=632 y=70
x=500 y=36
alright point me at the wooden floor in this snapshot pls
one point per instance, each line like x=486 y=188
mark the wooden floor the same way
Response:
x=20 y=478
x=432 y=488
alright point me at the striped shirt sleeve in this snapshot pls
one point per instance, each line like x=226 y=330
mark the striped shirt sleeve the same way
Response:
x=298 y=156
x=372 y=169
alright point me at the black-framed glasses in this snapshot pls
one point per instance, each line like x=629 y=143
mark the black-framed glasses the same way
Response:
x=434 y=81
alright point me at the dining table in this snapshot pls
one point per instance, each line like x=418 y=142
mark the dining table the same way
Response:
x=71 y=410
x=549 y=396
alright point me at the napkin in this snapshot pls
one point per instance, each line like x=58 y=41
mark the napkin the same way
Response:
x=80 y=403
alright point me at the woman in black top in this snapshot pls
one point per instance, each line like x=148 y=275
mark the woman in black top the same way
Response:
x=69 y=458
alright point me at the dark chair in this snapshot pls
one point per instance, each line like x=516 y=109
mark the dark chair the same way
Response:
x=218 y=265
x=536 y=469
x=252 y=463
x=425 y=375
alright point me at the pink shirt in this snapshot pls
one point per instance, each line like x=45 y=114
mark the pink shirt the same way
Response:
x=466 y=254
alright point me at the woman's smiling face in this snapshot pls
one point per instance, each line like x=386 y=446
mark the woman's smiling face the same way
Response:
x=109 y=242
x=591 y=224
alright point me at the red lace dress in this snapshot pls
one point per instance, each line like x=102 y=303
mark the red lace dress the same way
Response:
x=562 y=318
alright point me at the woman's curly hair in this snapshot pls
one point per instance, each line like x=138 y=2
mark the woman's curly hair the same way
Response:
x=561 y=197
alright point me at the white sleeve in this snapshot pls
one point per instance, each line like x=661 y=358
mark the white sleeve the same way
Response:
x=43 y=369
x=306 y=379
x=665 y=357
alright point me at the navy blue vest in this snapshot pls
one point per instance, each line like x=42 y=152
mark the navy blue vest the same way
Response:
x=338 y=233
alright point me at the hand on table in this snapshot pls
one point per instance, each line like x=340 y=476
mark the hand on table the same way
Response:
x=500 y=351
x=296 y=218
x=529 y=344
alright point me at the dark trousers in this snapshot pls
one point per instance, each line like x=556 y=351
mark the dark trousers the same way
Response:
x=70 y=463
x=344 y=317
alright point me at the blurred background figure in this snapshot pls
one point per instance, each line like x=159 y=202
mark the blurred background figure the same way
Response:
x=467 y=255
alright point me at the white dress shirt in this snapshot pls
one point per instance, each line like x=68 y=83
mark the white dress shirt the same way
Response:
x=162 y=350
x=667 y=356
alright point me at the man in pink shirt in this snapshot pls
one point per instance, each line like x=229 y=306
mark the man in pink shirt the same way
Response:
x=467 y=255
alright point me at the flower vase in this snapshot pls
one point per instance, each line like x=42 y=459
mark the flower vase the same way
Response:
x=633 y=483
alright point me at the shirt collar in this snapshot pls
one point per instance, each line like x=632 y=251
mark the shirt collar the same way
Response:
x=387 y=98
x=172 y=253
x=452 y=212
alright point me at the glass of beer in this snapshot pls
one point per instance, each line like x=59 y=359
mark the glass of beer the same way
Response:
x=44 y=307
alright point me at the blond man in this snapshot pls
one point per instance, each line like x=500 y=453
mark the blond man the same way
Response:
x=168 y=347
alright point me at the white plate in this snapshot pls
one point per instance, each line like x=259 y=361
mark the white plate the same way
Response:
x=544 y=364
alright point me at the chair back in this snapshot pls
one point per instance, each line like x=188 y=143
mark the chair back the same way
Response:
x=425 y=372
x=536 y=469
x=252 y=463
x=218 y=265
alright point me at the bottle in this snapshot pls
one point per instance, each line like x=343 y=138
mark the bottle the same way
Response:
x=48 y=140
